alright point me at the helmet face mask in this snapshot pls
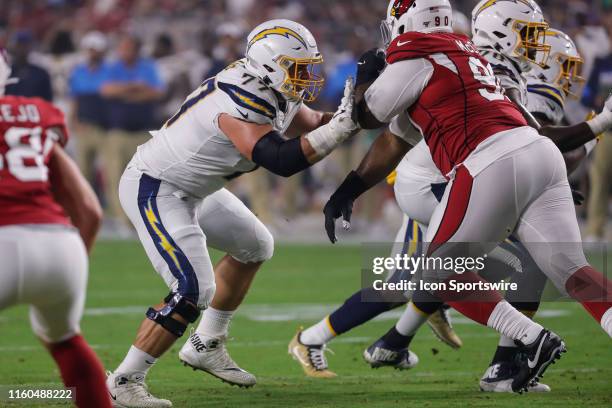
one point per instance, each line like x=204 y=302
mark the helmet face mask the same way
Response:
x=532 y=45
x=564 y=68
x=285 y=56
x=302 y=80
x=571 y=79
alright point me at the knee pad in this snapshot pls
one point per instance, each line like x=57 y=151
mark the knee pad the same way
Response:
x=175 y=303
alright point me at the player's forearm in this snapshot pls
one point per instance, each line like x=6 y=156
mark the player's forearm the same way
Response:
x=574 y=158
x=568 y=138
x=383 y=157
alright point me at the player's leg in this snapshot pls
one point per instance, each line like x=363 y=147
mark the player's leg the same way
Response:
x=54 y=280
x=166 y=223
x=549 y=230
x=308 y=346
x=530 y=282
x=230 y=227
x=469 y=213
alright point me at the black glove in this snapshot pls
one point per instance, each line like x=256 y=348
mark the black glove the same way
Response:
x=370 y=65
x=341 y=203
x=578 y=197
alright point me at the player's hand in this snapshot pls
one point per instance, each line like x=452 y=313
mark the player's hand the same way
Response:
x=340 y=204
x=578 y=197
x=342 y=122
x=370 y=65
x=334 y=209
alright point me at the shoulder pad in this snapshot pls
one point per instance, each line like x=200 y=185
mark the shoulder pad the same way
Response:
x=252 y=100
x=414 y=45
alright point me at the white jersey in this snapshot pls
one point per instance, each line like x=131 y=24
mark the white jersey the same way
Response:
x=545 y=100
x=508 y=72
x=191 y=152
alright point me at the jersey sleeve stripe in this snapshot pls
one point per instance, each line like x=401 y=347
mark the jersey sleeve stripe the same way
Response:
x=548 y=92
x=247 y=100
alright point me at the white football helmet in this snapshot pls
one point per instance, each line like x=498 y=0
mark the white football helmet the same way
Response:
x=564 y=68
x=514 y=28
x=284 y=54
x=425 y=16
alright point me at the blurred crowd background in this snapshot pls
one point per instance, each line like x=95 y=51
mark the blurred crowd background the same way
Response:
x=119 y=68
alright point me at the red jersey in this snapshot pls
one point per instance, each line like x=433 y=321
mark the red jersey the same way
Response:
x=25 y=147
x=463 y=102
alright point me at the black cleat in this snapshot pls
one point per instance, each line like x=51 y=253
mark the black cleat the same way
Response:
x=536 y=358
x=380 y=354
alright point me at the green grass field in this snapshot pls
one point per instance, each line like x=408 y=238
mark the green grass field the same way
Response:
x=305 y=281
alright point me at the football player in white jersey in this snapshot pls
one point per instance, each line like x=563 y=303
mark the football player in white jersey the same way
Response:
x=173 y=193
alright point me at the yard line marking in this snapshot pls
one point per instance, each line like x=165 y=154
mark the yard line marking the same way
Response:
x=296 y=312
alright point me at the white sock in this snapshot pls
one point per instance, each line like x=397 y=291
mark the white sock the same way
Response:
x=410 y=321
x=606 y=322
x=215 y=323
x=136 y=361
x=318 y=334
x=513 y=324
x=506 y=342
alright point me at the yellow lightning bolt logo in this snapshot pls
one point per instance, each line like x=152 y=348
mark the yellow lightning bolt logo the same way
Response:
x=163 y=240
x=285 y=32
x=492 y=2
x=252 y=103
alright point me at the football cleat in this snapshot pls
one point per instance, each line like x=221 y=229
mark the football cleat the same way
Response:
x=311 y=358
x=380 y=355
x=499 y=377
x=439 y=322
x=130 y=391
x=209 y=354
x=535 y=359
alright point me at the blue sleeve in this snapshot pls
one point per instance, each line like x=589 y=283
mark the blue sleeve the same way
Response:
x=590 y=90
x=150 y=75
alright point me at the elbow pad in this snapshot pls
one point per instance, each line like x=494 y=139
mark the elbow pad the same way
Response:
x=282 y=157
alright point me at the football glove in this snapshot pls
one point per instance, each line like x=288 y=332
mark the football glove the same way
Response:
x=340 y=204
x=603 y=121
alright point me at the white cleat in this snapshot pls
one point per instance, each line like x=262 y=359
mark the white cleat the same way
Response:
x=499 y=377
x=209 y=354
x=130 y=391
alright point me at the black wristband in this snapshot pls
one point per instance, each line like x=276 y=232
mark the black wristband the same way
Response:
x=352 y=187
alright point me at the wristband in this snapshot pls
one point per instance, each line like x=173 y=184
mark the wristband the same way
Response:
x=324 y=139
x=591 y=145
x=352 y=187
x=601 y=122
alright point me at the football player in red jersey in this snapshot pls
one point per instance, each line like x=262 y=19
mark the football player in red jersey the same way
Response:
x=43 y=198
x=504 y=178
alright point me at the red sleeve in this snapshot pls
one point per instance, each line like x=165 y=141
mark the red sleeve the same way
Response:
x=414 y=45
x=53 y=117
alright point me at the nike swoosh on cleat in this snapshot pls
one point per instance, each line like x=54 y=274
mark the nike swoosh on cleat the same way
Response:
x=534 y=362
x=244 y=115
x=149 y=362
x=401 y=44
x=297 y=355
x=114 y=397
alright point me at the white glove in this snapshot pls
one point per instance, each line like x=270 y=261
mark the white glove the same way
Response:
x=327 y=137
x=603 y=121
